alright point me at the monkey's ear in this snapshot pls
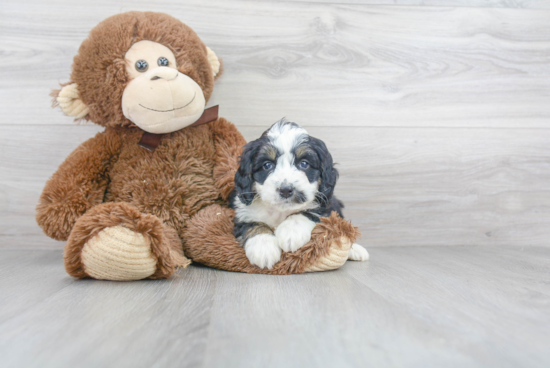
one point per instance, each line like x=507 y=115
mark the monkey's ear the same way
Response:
x=69 y=101
x=215 y=63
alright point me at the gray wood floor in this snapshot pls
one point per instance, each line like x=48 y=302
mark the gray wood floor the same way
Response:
x=407 y=307
x=438 y=113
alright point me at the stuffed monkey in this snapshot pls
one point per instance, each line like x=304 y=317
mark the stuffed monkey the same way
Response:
x=125 y=199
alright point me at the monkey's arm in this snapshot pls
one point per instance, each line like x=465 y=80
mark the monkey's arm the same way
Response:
x=78 y=184
x=229 y=144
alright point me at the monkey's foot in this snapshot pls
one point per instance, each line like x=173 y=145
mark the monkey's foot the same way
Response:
x=336 y=256
x=114 y=241
x=209 y=240
x=118 y=253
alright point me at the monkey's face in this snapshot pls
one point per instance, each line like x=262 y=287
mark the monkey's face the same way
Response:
x=159 y=99
x=140 y=68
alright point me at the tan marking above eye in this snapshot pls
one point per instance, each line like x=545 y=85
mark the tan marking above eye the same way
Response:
x=271 y=152
x=302 y=151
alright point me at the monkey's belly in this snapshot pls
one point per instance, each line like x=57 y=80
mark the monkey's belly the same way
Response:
x=172 y=198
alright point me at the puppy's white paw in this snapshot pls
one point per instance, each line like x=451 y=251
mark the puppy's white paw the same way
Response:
x=263 y=250
x=294 y=232
x=358 y=253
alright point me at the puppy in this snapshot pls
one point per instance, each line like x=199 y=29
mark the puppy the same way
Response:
x=284 y=185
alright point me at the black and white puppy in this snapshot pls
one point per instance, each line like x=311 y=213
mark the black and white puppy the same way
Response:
x=284 y=184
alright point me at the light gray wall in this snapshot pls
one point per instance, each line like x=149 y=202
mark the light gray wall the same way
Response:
x=438 y=116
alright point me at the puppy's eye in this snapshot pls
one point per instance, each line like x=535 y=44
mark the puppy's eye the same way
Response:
x=141 y=66
x=268 y=165
x=162 y=61
x=303 y=164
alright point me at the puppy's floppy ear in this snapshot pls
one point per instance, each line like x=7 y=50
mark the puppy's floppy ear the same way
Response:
x=243 y=176
x=329 y=175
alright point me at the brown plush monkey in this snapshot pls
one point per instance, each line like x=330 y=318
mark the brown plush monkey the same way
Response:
x=157 y=178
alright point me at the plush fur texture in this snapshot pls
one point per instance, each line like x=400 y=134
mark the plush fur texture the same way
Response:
x=191 y=169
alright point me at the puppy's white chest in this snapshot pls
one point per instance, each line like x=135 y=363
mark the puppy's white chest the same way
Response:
x=259 y=212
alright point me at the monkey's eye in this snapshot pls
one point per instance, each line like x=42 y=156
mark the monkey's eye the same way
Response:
x=141 y=66
x=162 y=61
x=268 y=165
x=304 y=164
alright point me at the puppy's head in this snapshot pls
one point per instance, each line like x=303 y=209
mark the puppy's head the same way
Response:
x=286 y=168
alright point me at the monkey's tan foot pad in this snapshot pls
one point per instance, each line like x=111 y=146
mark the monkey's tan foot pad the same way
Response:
x=209 y=240
x=118 y=253
x=336 y=256
x=115 y=241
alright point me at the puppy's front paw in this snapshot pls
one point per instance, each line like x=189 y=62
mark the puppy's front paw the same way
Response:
x=263 y=250
x=294 y=232
x=358 y=253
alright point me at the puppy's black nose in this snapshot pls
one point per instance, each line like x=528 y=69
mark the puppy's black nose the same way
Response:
x=286 y=191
